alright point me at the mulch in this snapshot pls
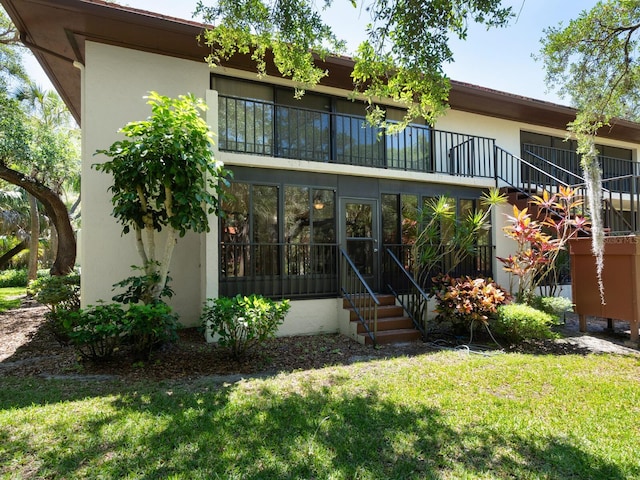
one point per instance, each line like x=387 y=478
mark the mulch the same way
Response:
x=29 y=349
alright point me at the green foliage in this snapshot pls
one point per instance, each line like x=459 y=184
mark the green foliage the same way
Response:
x=140 y=288
x=164 y=177
x=13 y=278
x=517 y=322
x=445 y=236
x=17 y=278
x=555 y=306
x=147 y=326
x=401 y=59
x=594 y=60
x=96 y=332
x=242 y=322
x=164 y=172
x=58 y=293
x=467 y=301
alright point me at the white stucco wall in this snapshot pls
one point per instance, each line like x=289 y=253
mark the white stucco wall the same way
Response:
x=115 y=81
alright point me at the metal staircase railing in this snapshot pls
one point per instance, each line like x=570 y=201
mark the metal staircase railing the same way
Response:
x=622 y=194
x=406 y=290
x=359 y=294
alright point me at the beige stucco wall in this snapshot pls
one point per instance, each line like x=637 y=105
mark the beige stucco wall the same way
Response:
x=115 y=81
x=507 y=136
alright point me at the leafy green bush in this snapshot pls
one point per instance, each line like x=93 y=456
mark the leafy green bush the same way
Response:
x=517 y=322
x=57 y=293
x=13 y=278
x=17 y=278
x=242 y=322
x=555 y=306
x=95 y=332
x=467 y=301
x=147 y=326
x=139 y=288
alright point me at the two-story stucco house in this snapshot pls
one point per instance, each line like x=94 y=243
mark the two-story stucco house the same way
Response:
x=312 y=183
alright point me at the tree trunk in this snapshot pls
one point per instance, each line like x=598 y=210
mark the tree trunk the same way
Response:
x=7 y=256
x=34 y=241
x=57 y=213
x=53 y=242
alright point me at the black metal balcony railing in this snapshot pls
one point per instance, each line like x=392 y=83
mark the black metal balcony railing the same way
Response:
x=295 y=270
x=279 y=269
x=478 y=264
x=565 y=165
x=264 y=128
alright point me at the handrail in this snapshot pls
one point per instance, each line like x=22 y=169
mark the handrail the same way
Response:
x=360 y=296
x=615 y=220
x=413 y=301
x=554 y=165
x=537 y=169
x=251 y=126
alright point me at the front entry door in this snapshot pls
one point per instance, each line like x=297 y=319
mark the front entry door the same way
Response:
x=359 y=236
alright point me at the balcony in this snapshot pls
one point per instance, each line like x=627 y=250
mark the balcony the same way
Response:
x=264 y=128
x=558 y=163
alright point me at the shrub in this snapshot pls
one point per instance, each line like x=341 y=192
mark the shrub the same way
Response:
x=57 y=293
x=147 y=326
x=17 y=278
x=13 y=278
x=517 y=322
x=139 y=288
x=465 y=300
x=95 y=332
x=242 y=322
x=555 y=306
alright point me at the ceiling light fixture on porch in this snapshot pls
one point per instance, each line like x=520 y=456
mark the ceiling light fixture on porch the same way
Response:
x=317 y=204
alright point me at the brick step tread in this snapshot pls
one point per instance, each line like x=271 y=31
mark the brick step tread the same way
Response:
x=388 y=323
x=383 y=299
x=395 y=336
x=384 y=311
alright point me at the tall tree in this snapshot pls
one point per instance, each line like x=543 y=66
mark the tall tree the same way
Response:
x=23 y=148
x=402 y=57
x=163 y=173
x=55 y=160
x=595 y=60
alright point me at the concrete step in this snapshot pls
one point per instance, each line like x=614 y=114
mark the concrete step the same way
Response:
x=389 y=323
x=383 y=299
x=384 y=311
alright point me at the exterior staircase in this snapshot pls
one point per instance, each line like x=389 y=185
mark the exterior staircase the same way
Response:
x=393 y=324
x=522 y=200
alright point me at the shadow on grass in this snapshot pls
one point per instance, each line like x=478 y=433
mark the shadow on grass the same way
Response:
x=257 y=431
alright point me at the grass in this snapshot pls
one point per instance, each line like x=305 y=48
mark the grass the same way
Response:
x=10 y=297
x=440 y=416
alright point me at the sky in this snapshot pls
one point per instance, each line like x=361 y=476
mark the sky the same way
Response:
x=500 y=59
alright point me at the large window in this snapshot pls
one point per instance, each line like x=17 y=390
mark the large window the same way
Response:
x=401 y=224
x=556 y=156
x=278 y=240
x=303 y=126
x=266 y=120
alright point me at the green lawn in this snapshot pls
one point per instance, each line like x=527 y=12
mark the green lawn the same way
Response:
x=10 y=297
x=445 y=416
